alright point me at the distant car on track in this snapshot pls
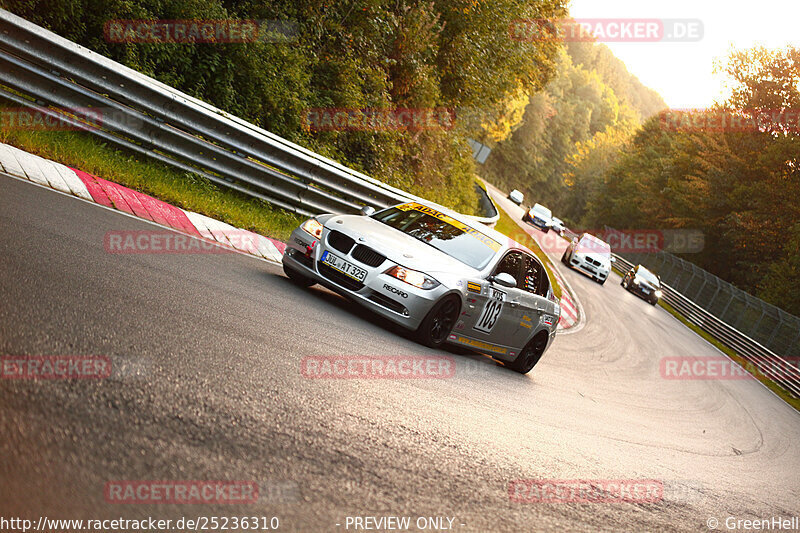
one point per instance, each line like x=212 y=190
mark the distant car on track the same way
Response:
x=557 y=225
x=516 y=197
x=590 y=255
x=434 y=272
x=539 y=216
x=643 y=283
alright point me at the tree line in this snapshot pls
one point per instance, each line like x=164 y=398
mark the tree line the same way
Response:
x=600 y=151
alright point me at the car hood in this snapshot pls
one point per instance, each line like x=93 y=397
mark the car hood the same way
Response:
x=644 y=283
x=397 y=246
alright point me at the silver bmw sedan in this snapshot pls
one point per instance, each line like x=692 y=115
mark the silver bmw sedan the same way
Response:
x=435 y=272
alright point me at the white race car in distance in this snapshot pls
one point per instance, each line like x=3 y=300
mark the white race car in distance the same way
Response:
x=590 y=255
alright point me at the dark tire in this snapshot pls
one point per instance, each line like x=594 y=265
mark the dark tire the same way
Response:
x=530 y=354
x=564 y=258
x=298 y=278
x=602 y=282
x=439 y=322
x=654 y=302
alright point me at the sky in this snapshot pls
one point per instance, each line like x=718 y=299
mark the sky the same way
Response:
x=683 y=72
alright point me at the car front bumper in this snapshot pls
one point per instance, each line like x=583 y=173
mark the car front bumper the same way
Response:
x=385 y=295
x=594 y=271
x=642 y=293
x=539 y=223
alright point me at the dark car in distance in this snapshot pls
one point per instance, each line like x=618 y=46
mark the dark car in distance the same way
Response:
x=643 y=284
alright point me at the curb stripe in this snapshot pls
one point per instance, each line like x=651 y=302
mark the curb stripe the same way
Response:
x=73 y=181
x=114 y=195
x=131 y=198
x=9 y=160
x=94 y=188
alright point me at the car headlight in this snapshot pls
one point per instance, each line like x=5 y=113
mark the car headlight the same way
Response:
x=313 y=227
x=635 y=281
x=658 y=293
x=412 y=277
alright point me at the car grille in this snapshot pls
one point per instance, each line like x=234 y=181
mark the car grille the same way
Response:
x=388 y=303
x=368 y=256
x=591 y=261
x=338 y=278
x=340 y=241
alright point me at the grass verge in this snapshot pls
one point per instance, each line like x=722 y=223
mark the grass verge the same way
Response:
x=508 y=227
x=189 y=191
x=771 y=385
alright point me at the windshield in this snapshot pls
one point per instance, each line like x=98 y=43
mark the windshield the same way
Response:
x=442 y=232
x=647 y=276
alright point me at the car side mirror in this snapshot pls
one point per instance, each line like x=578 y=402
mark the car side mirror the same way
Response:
x=367 y=210
x=613 y=259
x=504 y=279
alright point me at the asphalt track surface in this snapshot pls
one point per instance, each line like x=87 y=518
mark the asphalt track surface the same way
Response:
x=207 y=351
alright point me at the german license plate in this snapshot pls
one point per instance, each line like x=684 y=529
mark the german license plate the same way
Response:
x=343 y=266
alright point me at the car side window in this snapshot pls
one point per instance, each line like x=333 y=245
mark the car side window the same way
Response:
x=535 y=277
x=511 y=264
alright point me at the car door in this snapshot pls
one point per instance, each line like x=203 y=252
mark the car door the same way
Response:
x=532 y=306
x=490 y=311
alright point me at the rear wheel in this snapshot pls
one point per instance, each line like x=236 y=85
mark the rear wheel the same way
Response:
x=439 y=322
x=530 y=355
x=298 y=278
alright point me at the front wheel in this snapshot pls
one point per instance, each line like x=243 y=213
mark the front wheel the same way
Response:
x=530 y=355
x=439 y=322
x=564 y=257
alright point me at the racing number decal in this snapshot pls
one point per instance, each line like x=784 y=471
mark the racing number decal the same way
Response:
x=491 y=311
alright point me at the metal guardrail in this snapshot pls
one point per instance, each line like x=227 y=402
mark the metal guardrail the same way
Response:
x=147 y=117
x=768 y=363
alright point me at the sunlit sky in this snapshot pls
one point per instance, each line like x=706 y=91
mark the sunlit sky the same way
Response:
x=683 y=73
